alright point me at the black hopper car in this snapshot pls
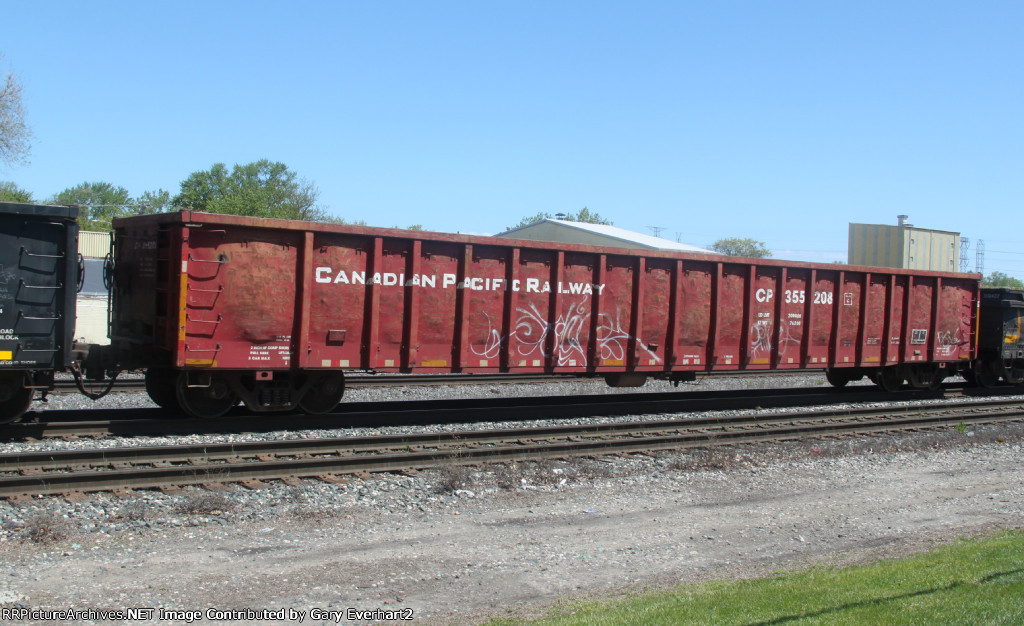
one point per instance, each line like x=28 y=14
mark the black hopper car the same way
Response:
x=40 y=271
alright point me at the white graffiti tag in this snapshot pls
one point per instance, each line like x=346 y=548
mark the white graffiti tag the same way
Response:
x=612 y=340
x=947 y=343
x=532 y=330
x=492 y=348
x=761 y=337
x=567 y=334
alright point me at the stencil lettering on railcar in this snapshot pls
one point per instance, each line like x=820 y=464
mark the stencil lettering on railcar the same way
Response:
x=327 y=275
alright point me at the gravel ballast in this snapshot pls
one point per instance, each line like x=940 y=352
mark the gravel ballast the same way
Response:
x=458 y=544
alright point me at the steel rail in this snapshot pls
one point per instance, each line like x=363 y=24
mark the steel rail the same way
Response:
x=453 y=448
x=419 y=412
x=50 y=459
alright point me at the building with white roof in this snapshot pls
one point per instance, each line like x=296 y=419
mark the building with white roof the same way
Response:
x=564 y=231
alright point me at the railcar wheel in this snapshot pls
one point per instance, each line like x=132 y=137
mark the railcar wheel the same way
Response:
x=936 y=382
x=987 y=376
x=324 y=394
x=161 y=385
x=836 y=378
x=889 y=378
x=207 y=402
x=15 y=399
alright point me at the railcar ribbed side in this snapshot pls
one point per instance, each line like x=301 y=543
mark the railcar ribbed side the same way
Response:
x=39 y=276
x=273 y=312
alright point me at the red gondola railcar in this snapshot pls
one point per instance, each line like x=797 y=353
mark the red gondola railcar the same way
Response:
x=272 y=312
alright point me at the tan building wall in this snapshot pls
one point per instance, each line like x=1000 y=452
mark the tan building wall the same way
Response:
x=93 y=244
x=91 y=319
x=905 y=247
x=931 y=250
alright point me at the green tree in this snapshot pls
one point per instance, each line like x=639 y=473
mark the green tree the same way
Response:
x=14 y=133
x=999 y=279
x=158 y=201
x=735 y=246
x=9 y=192
x=99 y=203
x=259 y=189
x=583 y=215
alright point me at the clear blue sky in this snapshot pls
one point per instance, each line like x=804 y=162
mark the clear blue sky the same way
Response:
x=777 y=120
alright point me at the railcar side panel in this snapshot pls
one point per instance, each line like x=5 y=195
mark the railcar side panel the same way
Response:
x=389 y=265
x=792 y=305
x=897 y=308
x=954 y=338
x=532 y=311
x=821 y=319
x=573 y=329
x=336 y=311
x=38 y=278
x=39 y=275
x=874 y=315
x=731 y=313
x=760 y=327
x=916 y=332
x=693 y=319
x=439 y=307
x=484 y=309
x=849 y=317
x=239 y=299
x=613 y=316
x=652 y=349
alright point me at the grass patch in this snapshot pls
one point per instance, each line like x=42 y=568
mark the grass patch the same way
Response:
x=977 y=581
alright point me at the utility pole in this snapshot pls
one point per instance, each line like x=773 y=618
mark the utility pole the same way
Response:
x=965 y=262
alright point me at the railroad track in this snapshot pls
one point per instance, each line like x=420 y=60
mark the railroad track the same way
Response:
x=131 y=422
x=56 y=472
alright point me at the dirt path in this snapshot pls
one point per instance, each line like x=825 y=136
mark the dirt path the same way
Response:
x=502 y=552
